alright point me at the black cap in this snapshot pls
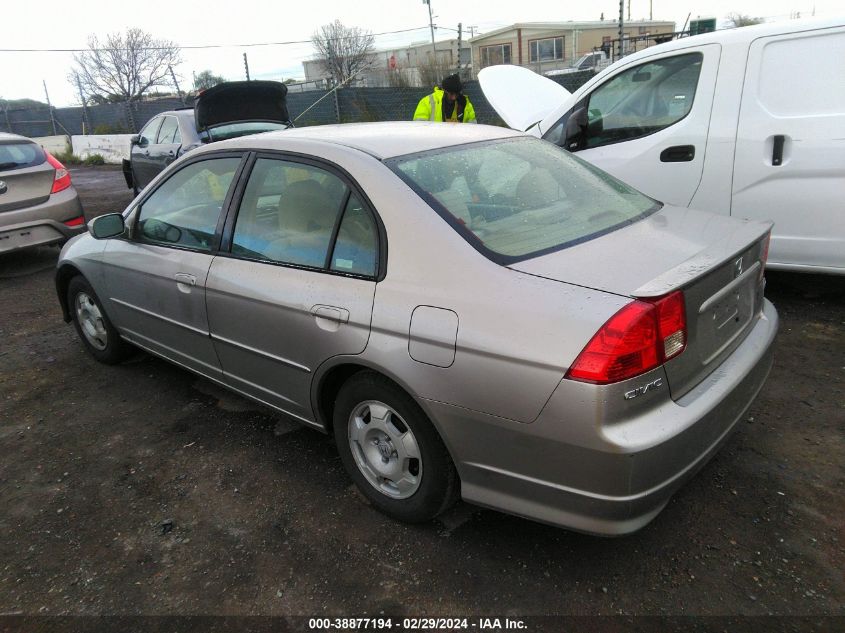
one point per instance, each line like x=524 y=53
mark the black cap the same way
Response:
x=452 y=83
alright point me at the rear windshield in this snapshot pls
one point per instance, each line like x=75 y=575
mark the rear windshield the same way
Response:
x=234 y=130
x=20 y=155
x=513 y=199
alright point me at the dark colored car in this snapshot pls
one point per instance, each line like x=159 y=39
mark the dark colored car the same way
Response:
x=38 y=203
x=228 y=110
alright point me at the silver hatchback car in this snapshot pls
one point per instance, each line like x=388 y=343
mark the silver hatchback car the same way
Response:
x=470 y=311
x=38 y=203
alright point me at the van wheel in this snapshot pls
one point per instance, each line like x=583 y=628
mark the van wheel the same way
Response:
x=93 y=326
x=392 y=451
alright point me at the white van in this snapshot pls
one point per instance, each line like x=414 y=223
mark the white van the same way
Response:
x=748 y=122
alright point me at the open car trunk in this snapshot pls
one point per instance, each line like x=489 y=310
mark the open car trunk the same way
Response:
x=242 y=101
x=716 y=263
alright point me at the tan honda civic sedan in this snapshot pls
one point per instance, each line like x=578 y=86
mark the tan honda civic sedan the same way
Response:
x=471 y=312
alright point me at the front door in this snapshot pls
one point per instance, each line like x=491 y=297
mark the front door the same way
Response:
x=156 y=279
x=647 y=124
x=166 y=148
x=297 y=285
x=789 y=165
x=143 y=169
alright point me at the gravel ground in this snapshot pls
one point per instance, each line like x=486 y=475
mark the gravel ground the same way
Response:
x=144 y=489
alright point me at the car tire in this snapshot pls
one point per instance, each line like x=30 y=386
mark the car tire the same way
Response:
x=96 y=331
x=392 y=451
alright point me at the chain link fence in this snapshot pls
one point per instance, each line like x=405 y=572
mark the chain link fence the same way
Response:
x=346 y=105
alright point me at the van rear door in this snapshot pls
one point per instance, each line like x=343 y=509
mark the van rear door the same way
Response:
x=647 y=123
x=789 y=165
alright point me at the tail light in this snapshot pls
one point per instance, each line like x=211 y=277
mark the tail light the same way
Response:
x=641 y=336
x=78 y=221
x=62 y=179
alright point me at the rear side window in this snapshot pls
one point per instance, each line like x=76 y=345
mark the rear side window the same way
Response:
x=299 y=214
x=20 y=155
x=515 y=199
x=185 y=209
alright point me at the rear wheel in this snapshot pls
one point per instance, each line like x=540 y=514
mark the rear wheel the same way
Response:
x=97 y=333
x=392 y=451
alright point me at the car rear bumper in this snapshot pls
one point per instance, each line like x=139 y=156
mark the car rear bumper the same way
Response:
x=41 y=224
x=586 y=473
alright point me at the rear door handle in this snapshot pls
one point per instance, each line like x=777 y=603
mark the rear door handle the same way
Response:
x=185 y=278
x=678 y=154
x=332 y=313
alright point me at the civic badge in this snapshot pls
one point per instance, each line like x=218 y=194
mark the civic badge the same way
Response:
x=3 y=187
x=738 y=268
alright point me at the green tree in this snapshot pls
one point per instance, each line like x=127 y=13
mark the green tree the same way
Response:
x=206 y=79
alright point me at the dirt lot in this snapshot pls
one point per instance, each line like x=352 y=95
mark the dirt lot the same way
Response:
x=143 y=489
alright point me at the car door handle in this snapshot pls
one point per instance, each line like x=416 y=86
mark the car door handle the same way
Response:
x=332 y=313
x=185 y=278
x=777 y=150
x=678 y=154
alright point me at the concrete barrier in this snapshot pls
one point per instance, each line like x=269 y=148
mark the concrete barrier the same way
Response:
x=112 y=147
x=54 y=144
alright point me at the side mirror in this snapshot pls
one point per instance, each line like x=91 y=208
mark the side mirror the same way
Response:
x=135 y=139
x=106 y=226
x=575 y=131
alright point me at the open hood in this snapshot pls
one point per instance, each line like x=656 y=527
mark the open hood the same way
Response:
x=236 y=101
x=519 y=95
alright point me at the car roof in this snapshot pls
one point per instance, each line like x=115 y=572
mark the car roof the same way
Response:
x=739 y=35
x=381 y=140
x=6 y=136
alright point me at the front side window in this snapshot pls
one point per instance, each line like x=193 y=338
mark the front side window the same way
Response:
x=185 y=209
x=637 y=102
x=549 y=49
x=147 y=136
x=294 y=213
x=496 y=54
x=516 y=199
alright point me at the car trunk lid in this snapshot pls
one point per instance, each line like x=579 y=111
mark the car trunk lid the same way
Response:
x=714 y=260
x=240 y=101
x=26 y=176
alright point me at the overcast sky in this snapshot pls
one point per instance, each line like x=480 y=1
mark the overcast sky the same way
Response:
x=54 y=24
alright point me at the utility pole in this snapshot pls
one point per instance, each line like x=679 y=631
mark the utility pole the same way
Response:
x=431 y=26
x=50 y=106
x=246 y=67
x=460 y=43
x=176 y=83
x=85 y=115
x=621 y=28
x=629 y=10
x=650 y=12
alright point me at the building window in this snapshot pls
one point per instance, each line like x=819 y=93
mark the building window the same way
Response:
x=496 y=54
x=547 y=50
x=643 y=30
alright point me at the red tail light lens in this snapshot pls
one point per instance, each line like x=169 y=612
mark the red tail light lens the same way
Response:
x=62 y=179
x=638 y=338
x=75 y=221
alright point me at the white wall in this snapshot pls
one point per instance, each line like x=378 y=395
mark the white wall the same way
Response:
x=112 y=147
x=54 y=144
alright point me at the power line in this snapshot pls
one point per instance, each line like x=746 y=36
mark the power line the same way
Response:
x=197 y=47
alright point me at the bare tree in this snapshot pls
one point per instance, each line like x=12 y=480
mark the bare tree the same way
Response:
x=125 y=66
x=433 y=70
x=738 y=19
x=343 y=51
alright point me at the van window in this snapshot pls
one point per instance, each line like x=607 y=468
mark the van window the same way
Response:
x=637 y=102
x=811 y=65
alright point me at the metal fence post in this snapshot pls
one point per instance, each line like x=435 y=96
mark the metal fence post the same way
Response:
x=337 y=105
x=130 y=116
x=8 y=121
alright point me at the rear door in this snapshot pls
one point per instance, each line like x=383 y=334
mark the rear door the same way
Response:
x=647 y=123
x=298 y=283
x=156 y=277
x=789 y=165
x=142 y=165
x=166 y=148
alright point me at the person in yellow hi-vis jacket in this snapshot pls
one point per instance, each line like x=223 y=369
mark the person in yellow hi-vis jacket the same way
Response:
x=447 y=103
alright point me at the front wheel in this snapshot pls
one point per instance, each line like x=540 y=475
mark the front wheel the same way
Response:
x=99 y=336
x=392 y=451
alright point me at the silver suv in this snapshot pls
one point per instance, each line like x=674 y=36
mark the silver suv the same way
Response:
x=38 y=203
